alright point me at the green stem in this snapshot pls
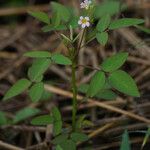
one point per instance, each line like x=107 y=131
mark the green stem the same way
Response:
x=74 y=90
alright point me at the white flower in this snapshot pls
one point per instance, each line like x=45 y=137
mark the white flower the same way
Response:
x=84 y=21
x=86 y=4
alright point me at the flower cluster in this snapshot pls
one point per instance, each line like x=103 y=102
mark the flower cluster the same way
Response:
x=85 y=21
x=86 y=4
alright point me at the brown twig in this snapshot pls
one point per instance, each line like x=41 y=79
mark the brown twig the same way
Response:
x=22 y=10
x=9 y=146
x=99 y=104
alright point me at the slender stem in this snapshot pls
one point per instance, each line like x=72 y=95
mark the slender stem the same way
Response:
x=74 y=90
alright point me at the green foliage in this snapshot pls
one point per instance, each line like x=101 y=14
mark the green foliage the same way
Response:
x=60 y=139
x=58 y=147
x=110 y=7
x=36 y=91
x=42 y=120
x=61 y=13
x=102 y=38
x=79 y=137
x=49 y=28
x=106 y=94
x=100 y=87
x=125 y=145
x=61 y=59
x=37 y=69
x=96 y=84
x=57 y=124
x=38 y=54
x=19 y=87
x=3 y=119
x=114 y=62
x=103 y=23
x=146 y=138
x=74 y=22
x=68 y=145
x=125 y=22
x=41 y=16
x=25 y=113
x=124 y=83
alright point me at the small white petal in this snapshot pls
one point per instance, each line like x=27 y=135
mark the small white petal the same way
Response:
x=83 y=25
x=87 y=18
x=81 y=17
x=87 y=24
x=82 y=5
x=79 y=22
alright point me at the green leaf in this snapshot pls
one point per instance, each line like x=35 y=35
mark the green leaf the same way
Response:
x=19 y=87
x=58 y=147
x=41 y=16
x=114 y=62
x=74 y=22
x=68 y=145
x=96 y=84
x=106 y=94
x=125 y=22
x=25 y=113
x=38 y=54
x=110 y=7
x=42 y=120
x=124 y=83
x=79 y=137
x=37 y=69
x=61 y=59
x=62 y=11
x=60 y=138
x=146 y=138
x=103 y=23
x=102 y=38
x=57 y=127
x=125 y=145
x=49 y=28
x=3 y=119
x=36 y=91
x=56 y=114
